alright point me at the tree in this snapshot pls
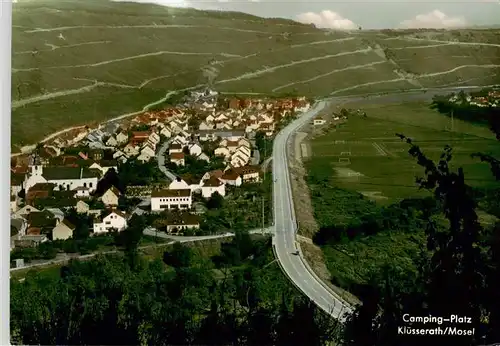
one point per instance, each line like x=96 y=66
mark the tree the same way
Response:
x=179 y=256
x=215 y=201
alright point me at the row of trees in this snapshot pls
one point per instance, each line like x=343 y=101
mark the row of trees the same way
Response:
x=180 y=301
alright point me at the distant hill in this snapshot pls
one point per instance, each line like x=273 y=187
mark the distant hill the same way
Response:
x=81 y=61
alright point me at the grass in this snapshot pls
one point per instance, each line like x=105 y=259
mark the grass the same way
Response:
x=98 y=33
x=387 y=175
x=382 y=159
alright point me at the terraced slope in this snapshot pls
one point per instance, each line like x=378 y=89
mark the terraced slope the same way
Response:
x=80 y=61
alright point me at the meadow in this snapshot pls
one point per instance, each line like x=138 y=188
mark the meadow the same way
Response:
x=74 y=61
x=379 y=163
x=366 y=167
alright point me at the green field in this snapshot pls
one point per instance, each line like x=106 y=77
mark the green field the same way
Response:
x=379 y=163
x=74 y=61
x=381 y=169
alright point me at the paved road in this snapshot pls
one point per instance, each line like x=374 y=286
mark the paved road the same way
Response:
x=161 y=161
x=182 y=239
x=284 y=244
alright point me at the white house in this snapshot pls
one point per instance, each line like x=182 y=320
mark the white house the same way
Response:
x=146 y=154
x=122 y=138
x=25 y=211
x=131 y=150
x=166 y=132
x=178 y=222
x=222 y=151
x=249 y=174
x=230 y=177
x=178 y=184
x=112 y=142
x=203 y=157
x=178 y=159
x=65 y=178
x=195 y=149
x=105 y=165
x=111 y=196
x=63 y=230
x=175 y=148
x=319 y=121
x=212 y=185
x=171 y=199
x=205 y=126
x=114 y=219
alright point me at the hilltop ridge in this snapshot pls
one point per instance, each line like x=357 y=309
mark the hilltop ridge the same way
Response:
x=75 y=62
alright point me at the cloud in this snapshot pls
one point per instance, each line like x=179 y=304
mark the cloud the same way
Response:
x=435 y=19
x=327 y=19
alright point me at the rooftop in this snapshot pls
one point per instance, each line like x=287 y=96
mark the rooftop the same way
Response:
x=171 y=193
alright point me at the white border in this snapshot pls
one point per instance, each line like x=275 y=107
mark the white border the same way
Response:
x=5 y=92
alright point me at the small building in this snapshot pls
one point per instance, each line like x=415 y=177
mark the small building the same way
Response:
x=171 y=199
x=111 y=196
x=111 y=220
x=231 y=177
x=178 y=222
x=82 y=207
x=63 y=230
x=178 y=159
x=175 y=148
x=319 y=121
x=212 y=185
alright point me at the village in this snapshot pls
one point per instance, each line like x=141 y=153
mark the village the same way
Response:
x=171 y=162
x=490 y=99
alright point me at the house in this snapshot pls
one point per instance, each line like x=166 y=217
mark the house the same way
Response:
x=146 y=154
x=177 y=222
x=39 y=190
x=41 y=222
x=16 y=182
x=131 y=150
x=205 y=125
x=65 y=178
x=191 y=182
x=104 y=165
x=175 y=148
x=170 y=199
x=24 y=211
x=111 y=196
x=122 y=138
x=203 y=157
x=177 y=158
x=178 y=184
x=212 y=185
x=231 y=177
x=112 y=142
x=239 y=159
x=166 y=132
x=244 y=142
x=216 y=173
x=112 y=220
x=63 y=230
x=249 y=174
x=82 y=207
x=319 y=121
x=195 y=149
x=222 y=151
x=13 y=203
x=180 y=139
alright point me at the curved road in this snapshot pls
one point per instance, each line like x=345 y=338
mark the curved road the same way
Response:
x=284 y=242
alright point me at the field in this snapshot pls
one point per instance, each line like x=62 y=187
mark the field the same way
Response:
x=375 y=163
x=366 y=156
x=74 y=62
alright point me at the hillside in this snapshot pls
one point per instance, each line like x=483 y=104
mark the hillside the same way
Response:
x=79 y=61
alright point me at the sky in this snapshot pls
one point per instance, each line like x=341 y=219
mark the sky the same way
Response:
x=367 y=14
